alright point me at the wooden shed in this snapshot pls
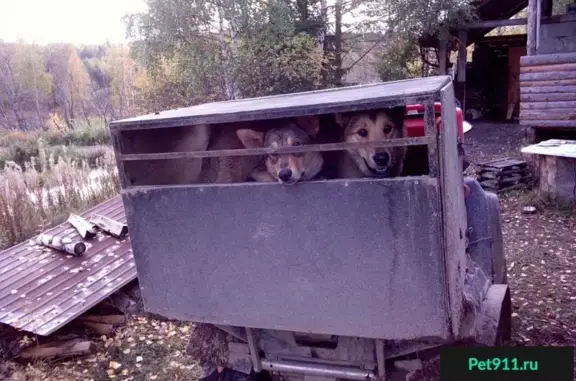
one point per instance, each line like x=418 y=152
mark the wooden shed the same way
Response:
x=492 y=77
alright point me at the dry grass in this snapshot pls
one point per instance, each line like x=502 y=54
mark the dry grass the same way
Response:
x=145 y=349
x=47 y=189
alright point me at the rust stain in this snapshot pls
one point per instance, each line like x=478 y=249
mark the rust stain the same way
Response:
x=46 y=289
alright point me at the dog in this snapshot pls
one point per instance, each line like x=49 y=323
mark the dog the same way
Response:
x=367 y=126
x=286 y=168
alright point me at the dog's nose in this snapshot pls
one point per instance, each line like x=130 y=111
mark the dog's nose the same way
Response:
x=285 y=174
x=381 y=159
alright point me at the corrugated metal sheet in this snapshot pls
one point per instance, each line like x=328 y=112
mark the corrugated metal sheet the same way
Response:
x=43 y=289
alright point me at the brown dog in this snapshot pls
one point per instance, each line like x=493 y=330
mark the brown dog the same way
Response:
x=286 y=168
x=377 y=125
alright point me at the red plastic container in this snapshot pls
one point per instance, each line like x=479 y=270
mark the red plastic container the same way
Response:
x=414 y=121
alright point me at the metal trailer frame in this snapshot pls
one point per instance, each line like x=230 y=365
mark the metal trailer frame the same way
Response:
x=371 y=269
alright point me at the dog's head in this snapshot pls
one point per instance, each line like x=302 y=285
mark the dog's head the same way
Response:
x=287 y=168
x=377 y=125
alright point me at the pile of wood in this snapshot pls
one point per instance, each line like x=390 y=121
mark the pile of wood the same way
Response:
x=504 y=174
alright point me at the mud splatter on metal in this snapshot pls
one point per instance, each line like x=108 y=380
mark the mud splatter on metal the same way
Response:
x=42 y=294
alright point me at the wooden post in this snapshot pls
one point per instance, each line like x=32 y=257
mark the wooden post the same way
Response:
x=442 y=52
x=533 y=25
x=460 y=88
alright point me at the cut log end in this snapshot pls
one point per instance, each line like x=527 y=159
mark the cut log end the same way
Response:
x=79 y=248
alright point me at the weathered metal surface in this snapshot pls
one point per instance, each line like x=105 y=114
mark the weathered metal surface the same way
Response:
x=356 y=258
x=402 y=142
x=453 y=208
x=350 y=98
x=43 y=289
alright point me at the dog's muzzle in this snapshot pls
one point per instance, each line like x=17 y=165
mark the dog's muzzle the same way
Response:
x=385 y=172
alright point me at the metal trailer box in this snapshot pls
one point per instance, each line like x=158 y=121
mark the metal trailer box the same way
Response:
x=368 y=258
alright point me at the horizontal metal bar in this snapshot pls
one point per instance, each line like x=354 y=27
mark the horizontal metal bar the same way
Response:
x=317 y=370
x=282 y=150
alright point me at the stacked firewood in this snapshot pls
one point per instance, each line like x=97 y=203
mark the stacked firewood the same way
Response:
x=504 y=174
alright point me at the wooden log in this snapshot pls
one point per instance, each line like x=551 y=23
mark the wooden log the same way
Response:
x=62 y=244
x=99 y=328
x=110 y=226
x=546 y=68
x=547 y=105
x=548 y=59
x=63 y=349
x=548 y=123
x=547 y=89
x=104 y=319
x=549 y=114
x=547 y=97
x=548 y=76
x=560 y=82
x=489 y=24
x=84 y=228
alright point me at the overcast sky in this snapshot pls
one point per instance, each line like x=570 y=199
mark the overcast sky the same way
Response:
x=75 y=21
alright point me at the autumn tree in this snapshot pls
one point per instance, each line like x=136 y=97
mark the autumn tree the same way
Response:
x=71 y=82
x=24 y=85
x=227 y=49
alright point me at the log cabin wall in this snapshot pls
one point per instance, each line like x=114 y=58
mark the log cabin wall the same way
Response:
x=548 y=90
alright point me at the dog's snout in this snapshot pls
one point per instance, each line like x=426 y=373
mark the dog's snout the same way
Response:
x=381 y=159
x=285 y=174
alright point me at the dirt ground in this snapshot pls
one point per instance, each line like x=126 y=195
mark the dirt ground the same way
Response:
x=541 y=259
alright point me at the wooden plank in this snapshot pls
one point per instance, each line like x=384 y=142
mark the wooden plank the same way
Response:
x=560 y=82
x=489 y=24
x=546 y=68
x=547 y=97
x=550 y=114
x=548 y=123
x=99 y=328
x=547 y=76
x=62 y=349
x=548 y=89
x=104 y=319
x=548 y=59
x=532 y=33
x=547 y=105
x=283 y=150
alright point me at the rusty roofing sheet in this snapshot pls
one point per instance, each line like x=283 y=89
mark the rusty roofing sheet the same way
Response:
x=43 y=289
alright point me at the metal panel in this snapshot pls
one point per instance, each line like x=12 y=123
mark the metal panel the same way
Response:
x=356 y=258
x=44 y=289
x=296 y=104
x=453 y=207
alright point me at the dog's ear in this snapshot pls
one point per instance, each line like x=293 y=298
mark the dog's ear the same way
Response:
x=250 y=138
x=310 y=124
x=397 y=115
x=342 y=119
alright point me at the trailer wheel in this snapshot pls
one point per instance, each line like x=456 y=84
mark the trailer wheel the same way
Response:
x=495 y=328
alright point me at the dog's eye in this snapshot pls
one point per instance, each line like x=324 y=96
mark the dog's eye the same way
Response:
x=363 y=132
x=387 y=129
